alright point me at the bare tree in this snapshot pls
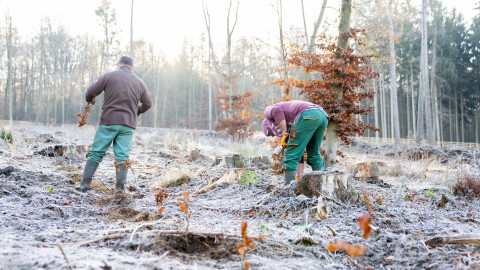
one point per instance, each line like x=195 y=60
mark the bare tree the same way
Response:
x=424 y=108
x=107 y=17
x=229 y=53
x=283 y=52
x=393 y=77
x=211 y=61
x=316 y=26
x=9 y=91
x=131 y=31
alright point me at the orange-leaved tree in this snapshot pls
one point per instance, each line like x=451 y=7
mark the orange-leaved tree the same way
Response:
x=335 y=68
x=342 y=74
x=235 y=120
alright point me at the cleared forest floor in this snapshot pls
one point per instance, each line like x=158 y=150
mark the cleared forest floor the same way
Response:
x=40 y=211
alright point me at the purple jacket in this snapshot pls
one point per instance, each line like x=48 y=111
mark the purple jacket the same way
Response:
x=276 y=113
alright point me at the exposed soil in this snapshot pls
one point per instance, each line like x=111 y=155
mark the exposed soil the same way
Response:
x=412 y=201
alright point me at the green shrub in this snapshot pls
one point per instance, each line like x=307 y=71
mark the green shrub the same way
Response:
x=248 y=177
x=7 y=136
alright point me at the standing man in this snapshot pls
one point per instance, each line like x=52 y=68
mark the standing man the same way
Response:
x=124 y=91
x=301 y=125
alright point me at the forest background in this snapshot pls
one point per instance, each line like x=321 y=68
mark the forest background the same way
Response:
x=46 y=69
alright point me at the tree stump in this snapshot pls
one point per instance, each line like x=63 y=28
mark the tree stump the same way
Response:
x=367 y=170
x=235 y=161
x=331 y=183
x=80 y=149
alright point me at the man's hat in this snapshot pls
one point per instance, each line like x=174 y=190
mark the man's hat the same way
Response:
x=126 y=60
x=269 y=126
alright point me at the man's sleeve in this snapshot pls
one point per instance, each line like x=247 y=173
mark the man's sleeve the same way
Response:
x=274 y=113
x=95 y=89
x=145 y=100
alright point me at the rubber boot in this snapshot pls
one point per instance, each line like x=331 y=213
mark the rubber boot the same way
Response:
x=121 y=177
x=88 y=172
x=288 y=176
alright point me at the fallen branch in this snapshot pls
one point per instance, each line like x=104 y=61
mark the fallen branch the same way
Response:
x=138 y=228
x=456 y=240
x=263 y=198
x=65 y=256
x=109 y=237
x=333 y=231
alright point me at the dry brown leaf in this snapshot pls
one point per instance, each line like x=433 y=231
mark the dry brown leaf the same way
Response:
x=364 y=223
x=333 y=247
x=353 y=251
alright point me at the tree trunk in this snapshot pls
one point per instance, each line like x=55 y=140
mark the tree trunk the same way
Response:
x=414 y=127
x=433 y=85
x=375 y=108
x=384 y=110
x=9 y=69
x=229 y=56
x=304 y=25
x=408 y=110
x=462 y=117
x=393 y=77
x=424 y=75
x=477 y=117
x=131 y=31
x=212 y=64
x=457 y=130
x=283 y=52
x=317 y=25
x=332 y=136
x=210 y=122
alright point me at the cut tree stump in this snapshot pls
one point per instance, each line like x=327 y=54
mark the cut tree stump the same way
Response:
x=367 y=170
x=81 y=149
x=235 y=161
x=55 y=151
x=262 y=159
x=230 y=177
x=331 y=183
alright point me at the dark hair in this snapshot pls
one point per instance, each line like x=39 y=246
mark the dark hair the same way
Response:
x=126 y=60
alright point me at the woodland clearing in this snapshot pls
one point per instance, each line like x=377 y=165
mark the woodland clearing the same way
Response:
x=46 y=224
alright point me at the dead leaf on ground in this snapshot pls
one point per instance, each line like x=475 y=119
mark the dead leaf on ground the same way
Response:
x=353 y=251
x=364 y=223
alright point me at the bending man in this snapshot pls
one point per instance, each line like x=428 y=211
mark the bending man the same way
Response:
x=301 y=125
x=123 y=93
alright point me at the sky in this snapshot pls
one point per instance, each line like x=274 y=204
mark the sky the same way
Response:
x=167 y=23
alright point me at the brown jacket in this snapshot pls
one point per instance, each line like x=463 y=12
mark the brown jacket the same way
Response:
x=123 y=93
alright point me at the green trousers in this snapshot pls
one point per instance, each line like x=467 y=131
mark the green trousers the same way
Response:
x=120 y=135
x=306 y=132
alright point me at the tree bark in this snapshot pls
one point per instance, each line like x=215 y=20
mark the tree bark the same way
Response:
x=424 y=75
x=317 y=25
x=9 y=69
x=384 y=110
x=375 y=108
x=283 y=52
x=304 y=25
x=433 y=85
x=229 y=55
x=212 y=64
x=331 y=146
x=414 y=127
x=393 y=77
x=131 y=31
x=408 y=109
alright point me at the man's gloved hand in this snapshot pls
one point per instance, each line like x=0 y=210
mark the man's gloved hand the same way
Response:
x=285 y=140
x=91 y=102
